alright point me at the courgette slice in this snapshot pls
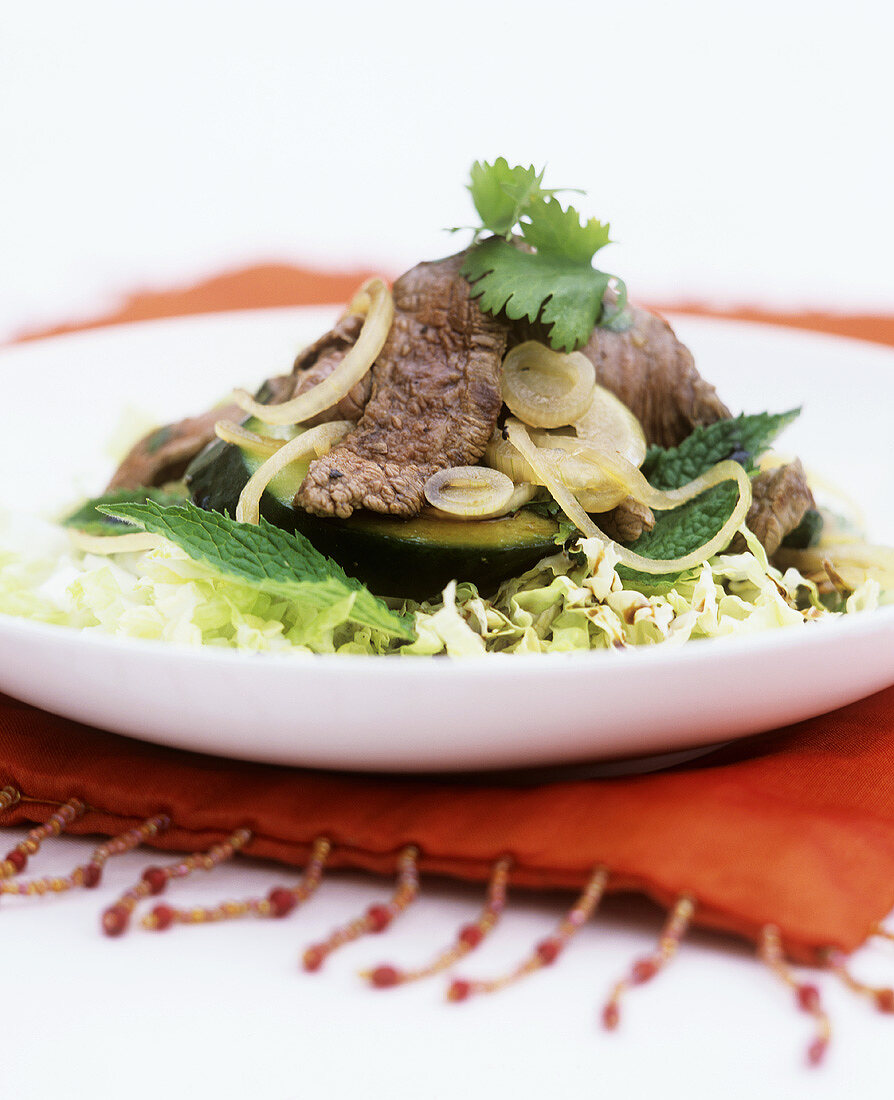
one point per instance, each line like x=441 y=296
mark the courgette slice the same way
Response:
x=415 y=558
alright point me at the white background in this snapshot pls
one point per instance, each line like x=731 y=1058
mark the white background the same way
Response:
x=743 y=153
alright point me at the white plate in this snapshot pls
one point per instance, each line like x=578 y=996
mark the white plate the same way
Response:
x=62 y=396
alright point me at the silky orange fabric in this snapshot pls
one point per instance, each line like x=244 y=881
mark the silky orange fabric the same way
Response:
x=795 y=828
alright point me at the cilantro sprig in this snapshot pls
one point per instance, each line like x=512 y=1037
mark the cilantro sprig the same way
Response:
x=538 y=265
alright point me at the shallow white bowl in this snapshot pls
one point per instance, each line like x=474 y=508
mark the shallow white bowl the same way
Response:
x=433 y=714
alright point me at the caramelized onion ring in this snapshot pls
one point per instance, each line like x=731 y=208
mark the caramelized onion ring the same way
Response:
x=316 y=441
x=115 y=544
x=231 y=432
x=544 y=388
x=375 y=299
x=470 y=492
x=543 y=465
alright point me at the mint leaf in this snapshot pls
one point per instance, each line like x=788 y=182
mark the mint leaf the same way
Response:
x=678 y=532
x=267 y=558
x=91 y=519
x=563 y=293
x=743 y=438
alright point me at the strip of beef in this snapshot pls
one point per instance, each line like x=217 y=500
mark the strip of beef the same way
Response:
x=648 y=368
x=627 y=520
x=318 y=361
x=436 y=396
x=164 y=453
x=780 y=497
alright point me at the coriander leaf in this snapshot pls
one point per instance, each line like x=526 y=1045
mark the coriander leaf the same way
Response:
x=501 y=193
x=692 y=524
x=267 y=558
x=560 y=292
x=90 y=518
x=557 y=232
x=552 y=280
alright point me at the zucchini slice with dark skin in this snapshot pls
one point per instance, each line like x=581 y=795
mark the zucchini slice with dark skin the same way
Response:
x=412 y=558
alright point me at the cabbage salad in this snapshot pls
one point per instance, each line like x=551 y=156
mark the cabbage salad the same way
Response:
x=572 y=600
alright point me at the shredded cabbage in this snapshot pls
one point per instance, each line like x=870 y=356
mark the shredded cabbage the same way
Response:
x=572 y=600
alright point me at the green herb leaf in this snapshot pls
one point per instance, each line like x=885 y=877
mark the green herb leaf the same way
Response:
x=677 y=532
x=807 y=533
x=743 y=438
x=560 y=292
x=552 y=281
x=549 y=509
x=501 y=193
x=267 y=558
x=90 y=518
x=555 y=231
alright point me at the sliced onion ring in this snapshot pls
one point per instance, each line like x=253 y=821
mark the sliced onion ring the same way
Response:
x=502 y=456
x=231 y=432
x=469 y=492
x=630 y=477
x=545 y=388
x=598 y=491
x=375 y=299
x=115 y=544
x=723 y=471
x=608 y=424
x=316 y=441
x=521 y=495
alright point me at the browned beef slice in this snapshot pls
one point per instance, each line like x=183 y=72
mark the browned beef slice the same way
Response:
x=654 y=375
x=780 y=498
x=164 y=454
x=435 y=400
x=627 y=520
x=320 y=359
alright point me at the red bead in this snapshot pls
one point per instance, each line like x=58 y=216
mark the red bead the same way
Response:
x=459 y=990
x=808 y=997
x=817 y=1051
x=282 y=901
x=884 y=1000
x=611 y=1016
x=378 y=917
x=471 y=935
x=164 y=917
x=17 y=858
x=115 y=920
x=156 y=879
x=383 y=977
x=547 y=951
x=313 y=958
x=92 y=875
x=643 y=970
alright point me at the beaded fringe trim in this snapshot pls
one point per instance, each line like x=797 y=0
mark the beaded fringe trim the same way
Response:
x=282 y=900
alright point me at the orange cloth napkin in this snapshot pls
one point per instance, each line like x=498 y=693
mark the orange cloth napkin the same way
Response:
x=794 y=829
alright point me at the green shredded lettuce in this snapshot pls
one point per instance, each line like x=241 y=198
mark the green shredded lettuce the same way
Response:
x=571 y=601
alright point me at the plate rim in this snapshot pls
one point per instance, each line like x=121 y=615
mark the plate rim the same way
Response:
x=656 y=654
x=571 y=672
